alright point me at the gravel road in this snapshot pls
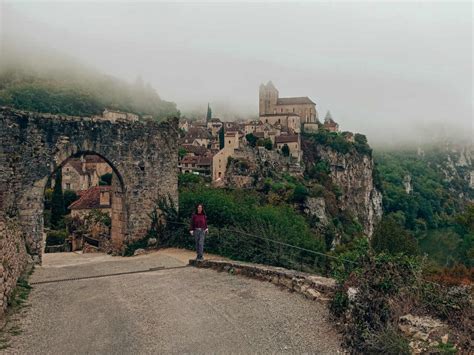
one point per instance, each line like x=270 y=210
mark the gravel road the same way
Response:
x=178 y=310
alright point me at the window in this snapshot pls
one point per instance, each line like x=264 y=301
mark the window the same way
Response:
x=68 y=186
x=281 y=110
x=293 y=109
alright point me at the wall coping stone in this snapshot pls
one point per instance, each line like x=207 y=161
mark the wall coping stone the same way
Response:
x=311 y=286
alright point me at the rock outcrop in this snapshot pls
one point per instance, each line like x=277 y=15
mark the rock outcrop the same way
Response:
x=352 y=172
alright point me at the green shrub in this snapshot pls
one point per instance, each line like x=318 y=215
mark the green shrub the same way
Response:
x=188 y=179
x=251 y=139
x=316 y=191
x=56 y=237
x=300 y=193
x=69 y=197
x=387 y=341
x=391 y=237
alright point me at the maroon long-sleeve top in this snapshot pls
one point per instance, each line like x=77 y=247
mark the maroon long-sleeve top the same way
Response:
x=198 y=220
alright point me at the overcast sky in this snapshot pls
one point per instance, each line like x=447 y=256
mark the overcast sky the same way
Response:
x=390 y=70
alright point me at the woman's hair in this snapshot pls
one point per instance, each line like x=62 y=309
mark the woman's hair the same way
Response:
x=203 y=211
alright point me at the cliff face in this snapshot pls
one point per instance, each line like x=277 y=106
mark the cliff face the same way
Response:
x=352 y=172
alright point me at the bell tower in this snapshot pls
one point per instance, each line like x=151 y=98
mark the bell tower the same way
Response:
x=268 y=97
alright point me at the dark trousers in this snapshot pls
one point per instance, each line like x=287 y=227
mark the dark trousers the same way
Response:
x=199 y=237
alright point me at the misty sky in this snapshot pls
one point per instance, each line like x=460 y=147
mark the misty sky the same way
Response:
x=394 y=71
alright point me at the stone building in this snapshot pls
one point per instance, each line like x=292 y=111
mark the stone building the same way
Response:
x=270 y=104
x=293 y=142
x=200 y=164
x=289 y=122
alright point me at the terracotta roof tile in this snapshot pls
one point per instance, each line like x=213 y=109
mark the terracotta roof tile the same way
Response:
x=90 y=199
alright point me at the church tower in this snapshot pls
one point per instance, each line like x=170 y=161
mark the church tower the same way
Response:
x=268 y=96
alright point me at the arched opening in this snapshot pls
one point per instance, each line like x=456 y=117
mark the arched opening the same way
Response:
x=84 y=207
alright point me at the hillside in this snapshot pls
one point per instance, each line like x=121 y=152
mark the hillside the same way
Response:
x=73 y=89
x=425 y=191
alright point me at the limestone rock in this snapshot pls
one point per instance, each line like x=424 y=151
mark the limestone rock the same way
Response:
x=152 y=242
x=139 y=252
x=353 y=173
x=316 y=206
x=423 y=331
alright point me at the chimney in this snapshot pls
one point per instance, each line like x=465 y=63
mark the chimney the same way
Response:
x=104 y=198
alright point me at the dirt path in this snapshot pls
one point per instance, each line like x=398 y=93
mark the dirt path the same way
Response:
x=178 y=310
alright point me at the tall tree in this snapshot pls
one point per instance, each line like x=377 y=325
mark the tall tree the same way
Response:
x=209 y=113
x=221 y=138
x=57 y=201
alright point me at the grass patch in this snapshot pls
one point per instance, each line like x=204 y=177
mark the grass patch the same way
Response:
x=19 y=295
x=17 y=301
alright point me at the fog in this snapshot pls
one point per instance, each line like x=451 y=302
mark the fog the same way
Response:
x=399 y=72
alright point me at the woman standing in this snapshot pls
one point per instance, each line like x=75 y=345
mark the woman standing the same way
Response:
x=199 y=229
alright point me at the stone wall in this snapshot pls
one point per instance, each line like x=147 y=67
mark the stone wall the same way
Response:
x=13 y=260
x=143 y=156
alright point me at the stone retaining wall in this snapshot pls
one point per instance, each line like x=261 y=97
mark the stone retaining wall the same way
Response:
x=13 y=261
x=312 y=286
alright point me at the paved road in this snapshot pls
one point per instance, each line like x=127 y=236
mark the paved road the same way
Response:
x=180 y=310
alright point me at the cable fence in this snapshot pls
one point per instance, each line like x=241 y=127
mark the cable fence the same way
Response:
x=243 y=246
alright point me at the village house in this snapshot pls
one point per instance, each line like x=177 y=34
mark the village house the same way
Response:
x=184 y=125
x=83 y=172
x=220 y=159
x=293 y=142
x=200 y=164
x=214 y=125
x=197 y=136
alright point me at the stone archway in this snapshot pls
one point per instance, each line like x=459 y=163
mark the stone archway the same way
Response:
x=118 y=203
x=143 y=155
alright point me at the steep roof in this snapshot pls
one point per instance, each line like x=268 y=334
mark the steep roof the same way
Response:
x=90 y=199
x=328 y=116
x=294 y=101
x=198 y=160
x=287 y=139
x=328 y=121
x=195 y=149
x=270 y=85
x=196 y=133
x=288 y=114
